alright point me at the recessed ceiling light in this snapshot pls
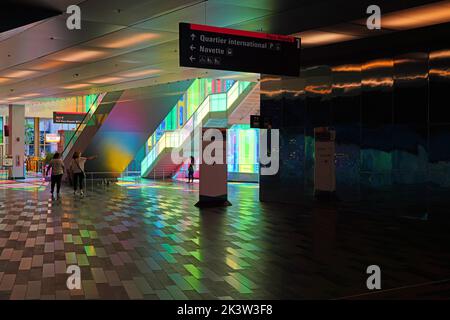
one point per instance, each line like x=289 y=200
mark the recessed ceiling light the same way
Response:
x=131 y=61
x=76 y=86
x=79 y=55
x=141 y=73
x=426 y=15
x=30 y=95
x=316 y=37
x=128 y=41
x=47 y=65
x=19 y=73
x=105 y=80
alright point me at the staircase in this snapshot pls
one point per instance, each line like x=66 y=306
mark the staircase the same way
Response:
x=212 y=112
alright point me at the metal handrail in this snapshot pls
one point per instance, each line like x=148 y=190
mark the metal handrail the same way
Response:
x=105 y=181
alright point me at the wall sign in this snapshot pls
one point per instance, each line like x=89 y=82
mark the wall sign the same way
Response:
x=52 y=138
x=68 y=117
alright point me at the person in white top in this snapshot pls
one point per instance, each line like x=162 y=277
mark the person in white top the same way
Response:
x=57 y=167
x=77 y=169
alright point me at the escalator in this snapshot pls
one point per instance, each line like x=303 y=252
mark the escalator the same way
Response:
x=212 y=112
x=118 y=126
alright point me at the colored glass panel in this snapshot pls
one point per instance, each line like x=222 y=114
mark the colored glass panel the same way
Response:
x=171 y=119
x=243 y=146
x=180 y=117
x=193 y=97
x=209 y=87
x=218 y=102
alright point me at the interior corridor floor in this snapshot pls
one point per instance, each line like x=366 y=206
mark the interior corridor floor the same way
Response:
x=146 y=240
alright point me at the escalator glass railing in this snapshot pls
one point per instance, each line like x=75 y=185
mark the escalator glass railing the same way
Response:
x=83 y=124
x=170 y=139
x=218 y=102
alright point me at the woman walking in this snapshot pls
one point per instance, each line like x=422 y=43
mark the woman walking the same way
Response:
x=57 y=167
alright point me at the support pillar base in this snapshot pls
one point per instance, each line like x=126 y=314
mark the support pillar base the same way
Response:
x=210 y=202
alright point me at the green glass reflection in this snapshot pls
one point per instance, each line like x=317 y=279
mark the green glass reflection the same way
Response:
x=90 y=251
x=196 y=272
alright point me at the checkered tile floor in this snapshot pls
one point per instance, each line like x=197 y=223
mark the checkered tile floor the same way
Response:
x=146 y=240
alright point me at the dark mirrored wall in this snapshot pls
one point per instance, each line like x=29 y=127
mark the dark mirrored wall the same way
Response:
x=392 y=122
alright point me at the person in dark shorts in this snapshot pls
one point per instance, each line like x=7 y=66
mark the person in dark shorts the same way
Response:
x=77 y=169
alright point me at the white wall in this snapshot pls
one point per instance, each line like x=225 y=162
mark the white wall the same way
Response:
x=17 y=140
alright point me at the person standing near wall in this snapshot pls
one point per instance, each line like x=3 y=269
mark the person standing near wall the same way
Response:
x=191 y=170
x=77 y=170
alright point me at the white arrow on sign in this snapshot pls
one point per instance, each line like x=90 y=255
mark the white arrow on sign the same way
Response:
x=192 y=58
x=192 y=47
x=193 y=36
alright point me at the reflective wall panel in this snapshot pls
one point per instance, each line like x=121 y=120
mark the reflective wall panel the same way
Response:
x=439 y=134
x=376 y=116
x=410 y=154
x=346 y=118
x=392 y=122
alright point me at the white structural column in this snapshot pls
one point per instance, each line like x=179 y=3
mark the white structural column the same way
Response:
x=16 y=140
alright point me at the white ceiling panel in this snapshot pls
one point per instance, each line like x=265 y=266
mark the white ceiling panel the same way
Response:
x=129 y=12
x=212 y=13
x=44 y=39
x=119 y=45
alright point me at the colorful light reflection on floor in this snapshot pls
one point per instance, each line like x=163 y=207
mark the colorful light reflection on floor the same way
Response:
x=153 y=243
x=134 y=183
x=34 y=184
